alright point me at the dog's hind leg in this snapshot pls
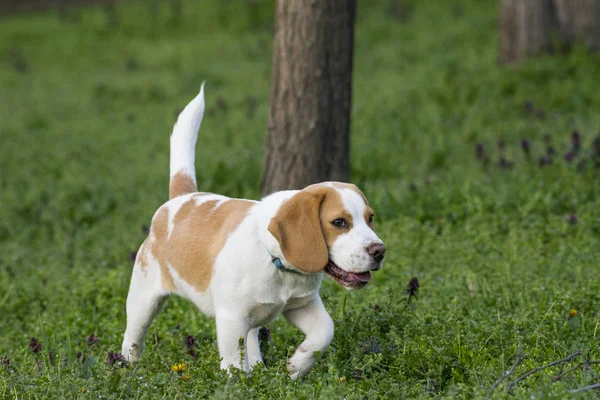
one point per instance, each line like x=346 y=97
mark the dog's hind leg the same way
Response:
x=145 y=298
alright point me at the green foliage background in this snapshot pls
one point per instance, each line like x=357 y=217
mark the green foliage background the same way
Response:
x=88 y=101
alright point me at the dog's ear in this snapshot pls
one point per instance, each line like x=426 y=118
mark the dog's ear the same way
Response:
x=297 y=228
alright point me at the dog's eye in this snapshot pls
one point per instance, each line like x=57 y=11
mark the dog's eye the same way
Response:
x=340 y=223
x=371 y=218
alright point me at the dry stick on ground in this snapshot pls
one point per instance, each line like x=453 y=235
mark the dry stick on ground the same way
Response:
x=508 y=373
x=586 y=388
x=537 y=369
x=581 y=364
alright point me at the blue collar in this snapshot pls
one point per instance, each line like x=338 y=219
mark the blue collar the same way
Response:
x=279 y=264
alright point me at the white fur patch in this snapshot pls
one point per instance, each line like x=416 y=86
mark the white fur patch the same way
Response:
x=202 y=300
x=349 y=251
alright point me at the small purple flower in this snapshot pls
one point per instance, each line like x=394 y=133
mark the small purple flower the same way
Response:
x=91 y=340
x=569 y=157
x=525 y=146
x=190 y=341
x=571 y=219
x=413 y=287
x=479 y=151
x=529 y=107
x=264 y=334
x=116 y=359
x=576 y=140
x=35 y=345
x=190 y=344
x=132 y=256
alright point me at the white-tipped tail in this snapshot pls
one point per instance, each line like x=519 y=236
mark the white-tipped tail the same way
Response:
x=183 y=147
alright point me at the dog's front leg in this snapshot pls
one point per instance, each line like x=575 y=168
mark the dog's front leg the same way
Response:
x=232 y=332
x=317 y=325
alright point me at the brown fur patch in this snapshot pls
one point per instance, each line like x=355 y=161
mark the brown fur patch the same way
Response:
x=351 y=186
x=368 y=209
x=181 y=183
x=198 y=236
x=332 y=209
x=158 y=238
x=368 y=213
x=142 y=257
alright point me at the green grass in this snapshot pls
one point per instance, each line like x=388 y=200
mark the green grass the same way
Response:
x=86 y=110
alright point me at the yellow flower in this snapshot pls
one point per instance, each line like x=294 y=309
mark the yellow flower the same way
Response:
x=178 y=367
x=342 y=379
x=572 y=313
x=82 y=390
x=186 y=377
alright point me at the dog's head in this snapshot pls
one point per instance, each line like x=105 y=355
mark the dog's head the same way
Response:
x=329 y=226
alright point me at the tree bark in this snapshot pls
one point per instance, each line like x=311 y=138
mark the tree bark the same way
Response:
x=308 y=134
x=579 y=21
x=531 y=27
x=525 y=28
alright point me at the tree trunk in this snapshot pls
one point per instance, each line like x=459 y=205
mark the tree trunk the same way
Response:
x=530 y=27
x=579 y=21
x=525 y=28
x=308 y=134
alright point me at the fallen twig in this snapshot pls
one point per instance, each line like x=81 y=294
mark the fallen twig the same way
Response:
x=561 y=374
x=508 y=373
x=537 y=369
x=586 y=388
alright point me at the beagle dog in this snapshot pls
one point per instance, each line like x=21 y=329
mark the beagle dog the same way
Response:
x=244 y=262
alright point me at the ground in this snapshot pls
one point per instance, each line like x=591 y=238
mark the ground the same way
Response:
x=504 y=245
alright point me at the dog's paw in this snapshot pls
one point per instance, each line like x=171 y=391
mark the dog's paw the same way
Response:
x=299 y=368
x=131 y=352
x=293 y=371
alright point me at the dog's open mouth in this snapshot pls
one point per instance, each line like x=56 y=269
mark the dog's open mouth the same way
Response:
x=345 y=278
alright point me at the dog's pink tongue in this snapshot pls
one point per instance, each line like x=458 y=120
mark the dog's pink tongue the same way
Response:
x=362 y=277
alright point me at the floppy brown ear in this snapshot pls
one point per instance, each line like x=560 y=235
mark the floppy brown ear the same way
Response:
x=297 y=228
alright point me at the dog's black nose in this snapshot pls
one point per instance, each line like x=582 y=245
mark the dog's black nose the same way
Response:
x=377 y=251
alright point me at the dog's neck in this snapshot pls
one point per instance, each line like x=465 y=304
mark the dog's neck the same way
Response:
x=279 y=265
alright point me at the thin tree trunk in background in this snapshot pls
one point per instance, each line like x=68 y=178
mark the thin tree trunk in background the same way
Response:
x=308 y=134
x=525 y=28
x=531 y=27
x=579 y=21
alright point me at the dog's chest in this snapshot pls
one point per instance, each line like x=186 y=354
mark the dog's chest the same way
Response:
x=265 y=312
x=272 y=300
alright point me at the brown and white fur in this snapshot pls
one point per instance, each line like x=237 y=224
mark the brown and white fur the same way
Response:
x=217 y=252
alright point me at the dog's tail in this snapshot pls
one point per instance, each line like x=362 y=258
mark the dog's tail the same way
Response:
x=183 y=147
